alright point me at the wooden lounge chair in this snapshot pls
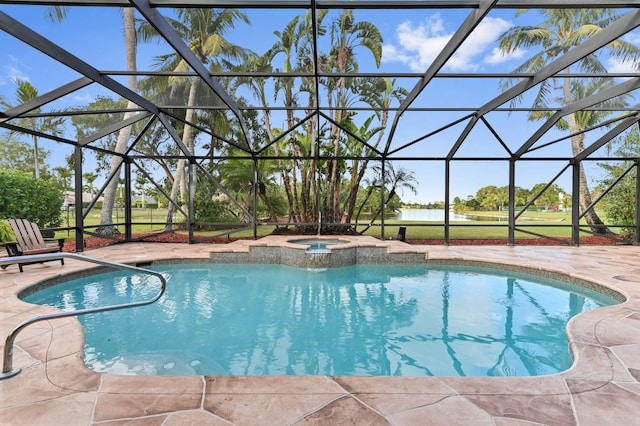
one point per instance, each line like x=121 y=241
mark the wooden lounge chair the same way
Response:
x=29 y=241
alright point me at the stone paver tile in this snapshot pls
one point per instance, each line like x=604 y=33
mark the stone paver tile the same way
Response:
x=393 y=403
x=194 y=418
x=390 y=385
x=596 y=363
x=548 y=409
x=264 y=408
x=33 y=386
x=271 y=385
x=628 y=355
x=123 y=405
x=344 y=411
x=605 y=405
x=624 y=331
x=138 y=396
x=64 y=337
x=515 y=422
x=142 y=421
x=70 y=373
x=69 y=410
x=454 y=410
x=482 y=386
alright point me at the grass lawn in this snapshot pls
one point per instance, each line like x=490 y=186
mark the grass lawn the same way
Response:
x=553 y=224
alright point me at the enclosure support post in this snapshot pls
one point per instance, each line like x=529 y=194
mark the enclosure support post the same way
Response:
x=382 y=180
x=128 y=214
x=512 y=201
x=575 y=203
x=447 y=202
x=192 y=192
x=637 y=218
x=255 y=199
x=79 y=223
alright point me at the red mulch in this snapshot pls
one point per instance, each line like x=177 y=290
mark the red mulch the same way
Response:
x=171 y=237
x=590 y=240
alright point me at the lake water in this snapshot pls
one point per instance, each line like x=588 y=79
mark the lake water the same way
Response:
x=430 y=215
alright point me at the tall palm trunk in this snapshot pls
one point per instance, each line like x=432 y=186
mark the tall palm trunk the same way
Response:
x=284 y=176
x=106 y=222
x=577 y=146
x=355 y=182
x=179 y=186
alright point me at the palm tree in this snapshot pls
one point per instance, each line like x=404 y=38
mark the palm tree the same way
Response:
x=90 y=178
x=49 y=124
x=106 y=215
x=295 y=43
x=393 y=181
x=203 y=30
x=64 y=175
x=346 y=35
x=238 y=176
x=262 y=63
x=379 y=93
x=562 y=30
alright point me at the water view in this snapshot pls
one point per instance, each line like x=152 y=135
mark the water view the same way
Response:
x=429 y=215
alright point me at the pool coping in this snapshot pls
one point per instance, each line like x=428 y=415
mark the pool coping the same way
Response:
x=601 y=386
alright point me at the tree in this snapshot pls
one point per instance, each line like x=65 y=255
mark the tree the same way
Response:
x=561 y=31
x=393 y=181
x=26 y=197
x=25 y=92
x=550 y=197
x=64 y=175
x=346 y=35
x=203 y=30
x=17 y=154
x=89 y=178
x=109 y=197
x=620 y=201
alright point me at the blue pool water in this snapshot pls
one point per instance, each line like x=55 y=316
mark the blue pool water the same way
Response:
x=366 y=320
x=317 y=244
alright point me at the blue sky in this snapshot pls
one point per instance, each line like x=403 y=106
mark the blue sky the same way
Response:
x=412 y=39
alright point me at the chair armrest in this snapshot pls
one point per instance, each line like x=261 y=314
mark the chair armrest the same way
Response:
x=60 y=241
x=13 y=249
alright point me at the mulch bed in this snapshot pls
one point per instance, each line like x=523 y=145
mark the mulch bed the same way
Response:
x=92 y=242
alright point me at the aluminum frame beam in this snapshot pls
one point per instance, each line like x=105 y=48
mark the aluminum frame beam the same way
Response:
x=623 y=25
x=38 y=42
x=113 y=128
x=462 y=33
x=581 y=104
x=346 y=4
x=45 y=99
x=171 y=36
x=617 y=130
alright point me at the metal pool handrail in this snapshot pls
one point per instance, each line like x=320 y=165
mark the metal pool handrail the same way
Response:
x=7 y=370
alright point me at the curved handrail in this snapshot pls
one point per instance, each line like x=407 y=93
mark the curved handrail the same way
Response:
x=7 y=370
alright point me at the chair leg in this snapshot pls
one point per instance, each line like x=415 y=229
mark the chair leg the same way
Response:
x=20 y=267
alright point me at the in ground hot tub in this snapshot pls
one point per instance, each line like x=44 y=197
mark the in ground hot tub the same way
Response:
x=317 y=245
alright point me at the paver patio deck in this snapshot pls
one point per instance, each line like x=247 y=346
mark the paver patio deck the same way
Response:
x=602 y=387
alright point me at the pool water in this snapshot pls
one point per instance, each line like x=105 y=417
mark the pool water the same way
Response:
x=317 y=244
x=363 y=320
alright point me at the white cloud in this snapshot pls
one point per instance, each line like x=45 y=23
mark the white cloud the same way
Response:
x=497 y=56
x=12 y=70
x=420 y=44
x=615 y=65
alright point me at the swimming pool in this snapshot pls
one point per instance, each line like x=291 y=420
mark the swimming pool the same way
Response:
x=405 y=320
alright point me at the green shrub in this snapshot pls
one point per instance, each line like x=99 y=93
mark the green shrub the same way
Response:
x=6 y=233
x=25 y=197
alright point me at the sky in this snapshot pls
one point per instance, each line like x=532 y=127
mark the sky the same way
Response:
x=412 y=39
